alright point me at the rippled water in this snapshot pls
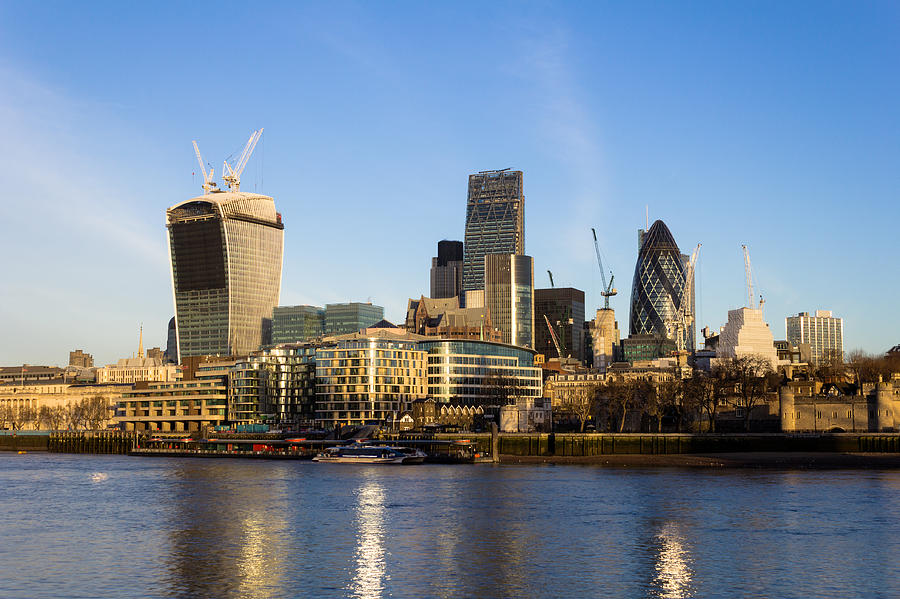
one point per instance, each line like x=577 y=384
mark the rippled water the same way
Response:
x=112 y=526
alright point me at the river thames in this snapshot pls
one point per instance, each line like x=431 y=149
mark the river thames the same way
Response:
x=115 y=526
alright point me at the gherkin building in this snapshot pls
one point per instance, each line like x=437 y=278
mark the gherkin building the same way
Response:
x=658 y=287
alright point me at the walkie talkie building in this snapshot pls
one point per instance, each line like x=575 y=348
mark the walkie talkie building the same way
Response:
x=658 y=286
x=226 y=256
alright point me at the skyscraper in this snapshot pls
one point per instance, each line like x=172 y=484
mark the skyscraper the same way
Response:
x=446 y=270
x=495 y=221
x=564 y=308
x=343 y=319
x=226 y=254
x=823 y=332
x=508 y=294
x=658 y=287
x=291 y=324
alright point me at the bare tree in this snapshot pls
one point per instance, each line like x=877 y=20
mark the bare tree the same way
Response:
x=703 y=391
x=74 y=415
x=581 y=402
x=96 y=410
x=6 y=415
x=21 y=416
x=618 y=396
x=56 y=417
x=42 y=417
x=865 y=368
x=747 y=377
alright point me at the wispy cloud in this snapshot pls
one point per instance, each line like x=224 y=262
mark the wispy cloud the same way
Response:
x=53 y=179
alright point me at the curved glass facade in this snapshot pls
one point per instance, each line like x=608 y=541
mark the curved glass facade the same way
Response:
x=479 y=373
x=658 y=287
x=367 y=381
x=226 y=252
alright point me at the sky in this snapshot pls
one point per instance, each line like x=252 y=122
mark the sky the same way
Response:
x=771 y=124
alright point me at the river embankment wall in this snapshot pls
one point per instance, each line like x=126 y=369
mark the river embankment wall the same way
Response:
x=604 y=444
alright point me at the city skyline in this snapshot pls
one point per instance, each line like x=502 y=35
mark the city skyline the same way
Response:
x=731 y=128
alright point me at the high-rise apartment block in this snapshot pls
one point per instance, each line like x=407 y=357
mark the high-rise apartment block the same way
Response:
x=447 y=270
x=823 y=332
x=564 y=308
x=80 y=359
x=343 y=319
x=291 y=324
x=226 y=254
x=658 y=287
x=495 y=221
x=508 y=294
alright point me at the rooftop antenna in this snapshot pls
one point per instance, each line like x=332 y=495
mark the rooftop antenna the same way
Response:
x=232 y=174
x=208 y=183
x=647 y=216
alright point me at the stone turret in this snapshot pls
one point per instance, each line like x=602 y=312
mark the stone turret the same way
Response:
x=884 y=409
x=786 y=408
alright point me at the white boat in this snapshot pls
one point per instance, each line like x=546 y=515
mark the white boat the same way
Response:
x=360 y=453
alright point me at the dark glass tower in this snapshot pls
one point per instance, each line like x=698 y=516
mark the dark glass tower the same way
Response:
x=495 y=221
x=446 y=270
x=225 y=250
x=658 y=287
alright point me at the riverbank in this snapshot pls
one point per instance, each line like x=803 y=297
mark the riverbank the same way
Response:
x=757 y=459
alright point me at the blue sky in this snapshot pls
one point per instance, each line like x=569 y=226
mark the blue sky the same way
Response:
x=767 y=123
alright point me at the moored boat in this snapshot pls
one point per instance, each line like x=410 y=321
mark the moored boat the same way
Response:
x=360 y=453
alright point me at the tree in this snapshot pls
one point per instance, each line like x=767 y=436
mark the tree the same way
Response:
x=96 y=410
x=865 y=368
x=21 y=417
x=42 y=417
x=581 y=402
x=703 y=391
x=748 y=382
x=6 y=415
x=56 y=417
x=619 y=395
x=74 y=415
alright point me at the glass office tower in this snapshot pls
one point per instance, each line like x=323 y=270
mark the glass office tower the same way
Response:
x=226 y=254
x=508 y=294
x=658 y=287
x=495 y=221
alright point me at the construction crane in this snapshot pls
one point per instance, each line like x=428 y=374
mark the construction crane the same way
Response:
x=232 y=174
x=554 y=337
x=749 y=274
x=551 y=279
x=678 y=324
x=608 y=290
x=208 y=183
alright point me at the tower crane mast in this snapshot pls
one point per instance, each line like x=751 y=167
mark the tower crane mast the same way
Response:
x=749 y=274
x=554 y=336
x=680 y=322
x=208 y=183
x=233 y=176
x=608 y=290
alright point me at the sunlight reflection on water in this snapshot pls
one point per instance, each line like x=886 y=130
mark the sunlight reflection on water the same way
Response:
x=368 y=578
